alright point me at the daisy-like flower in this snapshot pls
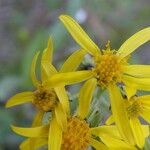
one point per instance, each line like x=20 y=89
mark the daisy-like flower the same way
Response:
x=79 y=135
x=135 y=107
x=110 y=67
x=47 y=98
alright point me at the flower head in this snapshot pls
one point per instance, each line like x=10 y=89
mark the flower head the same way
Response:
x=79 y=135
x=111 y=65
x=135 y=107
x=45 y=99
x=49 y=97
x=110 y=71
x=110 y=68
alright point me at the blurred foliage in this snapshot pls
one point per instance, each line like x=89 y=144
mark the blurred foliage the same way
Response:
x=24 y=29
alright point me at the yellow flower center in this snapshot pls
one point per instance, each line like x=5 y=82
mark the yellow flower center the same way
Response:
x=77 y=136
x=134 y=107
x=45 y=99
x=108 y=67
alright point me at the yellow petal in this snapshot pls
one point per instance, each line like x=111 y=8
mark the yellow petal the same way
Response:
x=146 y=106
x=111 y=137
x=36 y=83
x=61 y=117
x=63 y=98
x=145 y=100
x=145 y=115
x=118 y=110
x=41 y=131
x=116 y=144
x=146 y=130
x=97 y=144
x=137 y=83
x=110 y=120
x=48 y=52
x=134 y=42
x=33 y=143
x=79 y=34
x=138 y=70
x=20 y=98
x=72 y=63
x=130 y=90
x=111 y=131
x=25 y=145
x=37 y=121
x=62 y=79
x=137 y=132
x=47 y=70
x=145 y=103
x=85 y=97
x=55 y=136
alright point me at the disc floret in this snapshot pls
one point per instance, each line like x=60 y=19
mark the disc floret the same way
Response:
x=45 y=99
x=77 y=136
x=108 y=67
x=134 y=107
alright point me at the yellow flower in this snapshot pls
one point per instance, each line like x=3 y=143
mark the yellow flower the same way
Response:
x=48 y=98
x=136 y=106
x=78 y=135
x=111 y=67
x=113 y=139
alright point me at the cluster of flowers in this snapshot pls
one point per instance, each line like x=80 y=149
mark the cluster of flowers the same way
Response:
x=110 y=71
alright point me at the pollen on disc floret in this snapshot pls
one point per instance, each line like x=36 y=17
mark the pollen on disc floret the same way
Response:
x=108 y=67
x=45 y=99
x=77 y=135
x=134 y=107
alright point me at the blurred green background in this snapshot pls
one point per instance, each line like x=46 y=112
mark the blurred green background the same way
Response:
x=24 y=28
